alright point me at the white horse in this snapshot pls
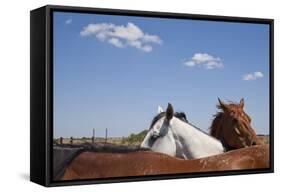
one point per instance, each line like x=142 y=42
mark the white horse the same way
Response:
x=173 y=135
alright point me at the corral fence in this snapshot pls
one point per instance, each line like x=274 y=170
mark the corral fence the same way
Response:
x=93 y=139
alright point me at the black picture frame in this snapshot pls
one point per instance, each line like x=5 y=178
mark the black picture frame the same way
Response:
x=41 y=99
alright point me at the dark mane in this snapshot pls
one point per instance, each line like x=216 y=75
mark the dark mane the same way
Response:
x=215 y=129
x=179 y=115
x=63 y=154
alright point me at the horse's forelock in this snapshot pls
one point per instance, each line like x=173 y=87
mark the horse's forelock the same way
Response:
x=179 y=115
x=156 y=118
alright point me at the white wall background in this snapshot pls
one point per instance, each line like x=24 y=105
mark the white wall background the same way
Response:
x=14 y=94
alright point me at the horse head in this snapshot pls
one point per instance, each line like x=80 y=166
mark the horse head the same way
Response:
x=232 y=125
x=160 y=123
x=159 y=137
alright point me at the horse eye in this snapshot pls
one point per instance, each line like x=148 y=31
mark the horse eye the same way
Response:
x=235 y=121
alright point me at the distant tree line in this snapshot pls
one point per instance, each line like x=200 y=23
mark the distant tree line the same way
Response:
x=136 y=138
x=132 y=139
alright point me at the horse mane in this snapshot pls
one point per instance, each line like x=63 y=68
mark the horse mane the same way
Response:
x=62 y=157
x=179 y=115
x=215 y=129
x=63 y=154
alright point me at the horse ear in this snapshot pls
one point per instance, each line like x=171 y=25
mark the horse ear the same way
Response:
x=160 y=109
x=222 y=105
x=241 y=104
x=169 y=112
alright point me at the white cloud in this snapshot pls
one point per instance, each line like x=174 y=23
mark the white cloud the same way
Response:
x=68 y=21
x=258 y=74
x=147 y=48
x=116 y=42
x=152 y=38
x=204 y=59
x=190 y=63
x=252 y=76
x=121 y=36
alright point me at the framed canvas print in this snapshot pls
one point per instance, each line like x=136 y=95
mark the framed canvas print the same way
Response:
x=119 y=95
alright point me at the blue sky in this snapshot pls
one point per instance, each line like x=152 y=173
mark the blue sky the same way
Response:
x=113 y=71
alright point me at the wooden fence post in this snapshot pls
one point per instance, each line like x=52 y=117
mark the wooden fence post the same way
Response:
x=61 y=140
x=106 y=135
x=93 y=138
x=71 y=140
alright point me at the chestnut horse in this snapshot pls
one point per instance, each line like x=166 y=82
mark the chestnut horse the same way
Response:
x=232 y=126
x=93 y=165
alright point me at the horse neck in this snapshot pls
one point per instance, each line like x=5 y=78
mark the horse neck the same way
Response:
x=217 y=130
x=182 y=128
x=188 y=132
x=216 y=127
